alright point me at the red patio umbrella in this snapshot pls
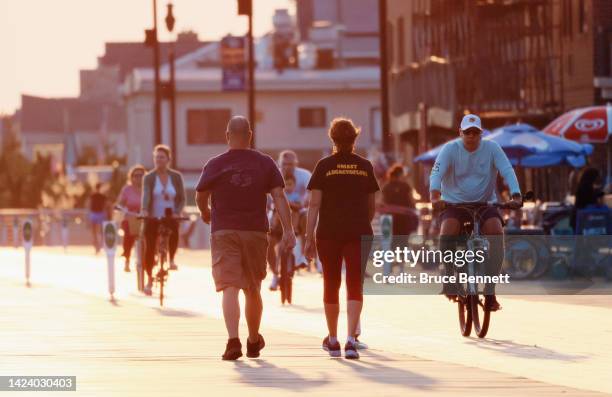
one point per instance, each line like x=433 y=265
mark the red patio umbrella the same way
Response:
x=591 y=124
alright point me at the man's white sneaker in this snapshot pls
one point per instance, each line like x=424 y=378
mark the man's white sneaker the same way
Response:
x=274 y=283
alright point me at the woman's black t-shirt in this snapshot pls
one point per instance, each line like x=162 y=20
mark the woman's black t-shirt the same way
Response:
x=346 y=180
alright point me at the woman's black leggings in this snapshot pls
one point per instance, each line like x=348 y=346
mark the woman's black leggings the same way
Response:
x=151 y=229
x=332 y=253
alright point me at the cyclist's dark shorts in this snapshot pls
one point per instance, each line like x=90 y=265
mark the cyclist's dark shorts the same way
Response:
x=464 y=215
x=238 y=258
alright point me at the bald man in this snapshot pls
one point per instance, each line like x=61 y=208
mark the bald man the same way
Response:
x=238 y=182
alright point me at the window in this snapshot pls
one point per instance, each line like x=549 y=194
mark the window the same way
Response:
x=207 y=126
x=375 y=125
x=312 y=117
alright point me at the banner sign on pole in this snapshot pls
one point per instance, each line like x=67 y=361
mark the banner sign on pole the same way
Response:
x=233 y=62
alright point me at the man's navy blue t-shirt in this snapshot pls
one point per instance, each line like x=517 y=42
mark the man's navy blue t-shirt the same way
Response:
x=239 y=181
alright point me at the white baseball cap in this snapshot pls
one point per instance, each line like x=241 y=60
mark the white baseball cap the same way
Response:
x=470 y=121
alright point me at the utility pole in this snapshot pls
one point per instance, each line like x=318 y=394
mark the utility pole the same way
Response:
x=384 y=77
x=152 y=41
x=170 y=21
x=245 y=7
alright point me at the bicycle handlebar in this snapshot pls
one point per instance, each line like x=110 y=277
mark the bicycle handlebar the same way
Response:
x=507 y=205
x=125 y=211
x=172 y=218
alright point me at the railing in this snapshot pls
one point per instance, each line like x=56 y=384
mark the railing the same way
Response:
x=72 y=227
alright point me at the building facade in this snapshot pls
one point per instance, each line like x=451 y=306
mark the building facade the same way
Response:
x=508 y=61
x=346 y=28
x=293 y=112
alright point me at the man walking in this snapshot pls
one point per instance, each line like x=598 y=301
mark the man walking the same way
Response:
x=237 y=182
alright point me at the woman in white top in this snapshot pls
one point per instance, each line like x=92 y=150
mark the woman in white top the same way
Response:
x=162 y=189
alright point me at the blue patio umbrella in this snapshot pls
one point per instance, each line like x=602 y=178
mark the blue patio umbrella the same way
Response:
x=541 y=150
x=528 y=147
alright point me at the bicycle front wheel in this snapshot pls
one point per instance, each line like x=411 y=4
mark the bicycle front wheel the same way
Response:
x=465 y=315
x=480 y=315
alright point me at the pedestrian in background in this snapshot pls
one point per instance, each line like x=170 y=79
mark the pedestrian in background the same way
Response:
x=397 y=193
x=98 y=213
x=586 y=193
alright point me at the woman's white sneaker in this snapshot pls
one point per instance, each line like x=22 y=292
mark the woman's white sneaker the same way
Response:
x=333 y=349
x=350 y=351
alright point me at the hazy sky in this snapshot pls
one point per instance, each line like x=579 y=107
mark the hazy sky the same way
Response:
x=43 y=43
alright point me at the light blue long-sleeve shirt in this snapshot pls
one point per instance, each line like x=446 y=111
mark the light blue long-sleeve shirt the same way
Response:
x=464 y=176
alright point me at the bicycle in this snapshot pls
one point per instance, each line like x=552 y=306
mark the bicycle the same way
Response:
x=164 y=231
x=471 y=307
x=138 y=246
x=286 y=268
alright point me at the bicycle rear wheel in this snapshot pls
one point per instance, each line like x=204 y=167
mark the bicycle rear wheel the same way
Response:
x=161 y=276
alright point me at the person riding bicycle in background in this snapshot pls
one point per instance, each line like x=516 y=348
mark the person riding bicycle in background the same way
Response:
x=399 y=202
x=295 y=205
x=130 y=198
x=288 y=164
x=466 y=171
x=162 y=188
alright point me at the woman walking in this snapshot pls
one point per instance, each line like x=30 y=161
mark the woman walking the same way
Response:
x=342 y=200
x=162 y=189
x=98 y=213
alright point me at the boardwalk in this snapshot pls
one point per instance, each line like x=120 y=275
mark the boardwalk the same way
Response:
x=133 y=348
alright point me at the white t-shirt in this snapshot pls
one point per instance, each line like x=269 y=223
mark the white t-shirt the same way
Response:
x=302 y=177
x=163 y=197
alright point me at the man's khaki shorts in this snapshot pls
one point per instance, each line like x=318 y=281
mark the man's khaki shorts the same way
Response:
x=238 y=258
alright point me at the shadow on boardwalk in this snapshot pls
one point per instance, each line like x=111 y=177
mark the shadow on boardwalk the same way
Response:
x=262 y=373
x=524 y=351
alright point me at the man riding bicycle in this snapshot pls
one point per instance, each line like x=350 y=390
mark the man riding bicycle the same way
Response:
x=466 y=171
x=288 y=164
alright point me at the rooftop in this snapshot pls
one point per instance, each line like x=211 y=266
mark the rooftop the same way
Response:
x=209 y=79
x=61 y=115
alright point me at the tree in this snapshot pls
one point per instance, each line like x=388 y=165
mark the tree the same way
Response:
x=23 y=181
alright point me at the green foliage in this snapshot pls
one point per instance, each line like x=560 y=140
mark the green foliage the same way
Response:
x=23 y=181
x=34 y=184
